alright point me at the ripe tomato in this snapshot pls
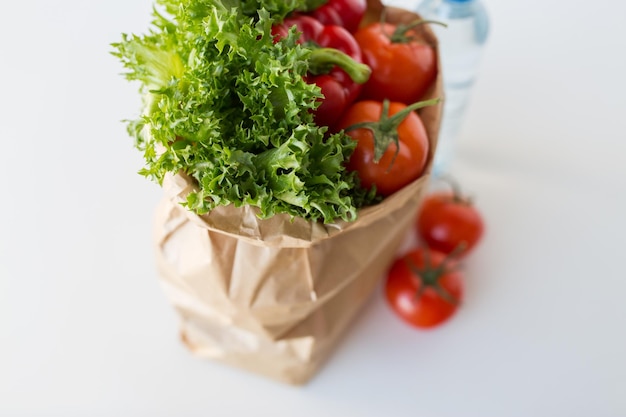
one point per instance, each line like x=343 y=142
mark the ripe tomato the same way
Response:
x=423 y=288
x=447 y=220
x=403 y=66
x=392 y=147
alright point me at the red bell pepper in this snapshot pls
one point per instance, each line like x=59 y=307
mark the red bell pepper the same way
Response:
x=335 y=64
x=346 y=13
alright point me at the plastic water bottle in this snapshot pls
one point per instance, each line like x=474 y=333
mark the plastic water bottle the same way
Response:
x=460 y=46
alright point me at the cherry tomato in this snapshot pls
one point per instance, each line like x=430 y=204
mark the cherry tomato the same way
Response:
x=423 y=288
x=448 y=220
x=391 y=166
x=403 y=66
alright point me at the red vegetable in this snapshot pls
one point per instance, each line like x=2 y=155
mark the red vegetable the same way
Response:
x=346 y=13
x=423 y=288
x=403 y=65
x=392 y=147
x=335 y=65
x=449 y=220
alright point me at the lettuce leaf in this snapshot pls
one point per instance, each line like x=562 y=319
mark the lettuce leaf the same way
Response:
x=229 y=107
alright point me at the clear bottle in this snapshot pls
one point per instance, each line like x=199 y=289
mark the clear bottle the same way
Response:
x=460 y=46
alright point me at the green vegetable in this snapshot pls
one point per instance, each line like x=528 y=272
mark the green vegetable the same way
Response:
x=229 y=107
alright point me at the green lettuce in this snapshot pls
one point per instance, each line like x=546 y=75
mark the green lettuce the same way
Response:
x=228 y=106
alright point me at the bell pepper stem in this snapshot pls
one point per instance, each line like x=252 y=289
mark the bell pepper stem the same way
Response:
x=322 y=60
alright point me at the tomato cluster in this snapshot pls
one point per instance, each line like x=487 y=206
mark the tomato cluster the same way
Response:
x=371 y=90
x=425 y=286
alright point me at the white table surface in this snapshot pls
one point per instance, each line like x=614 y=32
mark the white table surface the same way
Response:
x=86 y=331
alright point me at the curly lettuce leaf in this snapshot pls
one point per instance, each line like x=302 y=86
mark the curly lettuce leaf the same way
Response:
x=229 y=107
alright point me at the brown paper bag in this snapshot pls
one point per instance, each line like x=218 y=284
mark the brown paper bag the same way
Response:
x=274 y=296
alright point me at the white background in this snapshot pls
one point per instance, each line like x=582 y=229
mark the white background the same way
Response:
x=86 y=331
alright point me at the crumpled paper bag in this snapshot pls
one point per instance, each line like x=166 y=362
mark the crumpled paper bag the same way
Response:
x=274 y=296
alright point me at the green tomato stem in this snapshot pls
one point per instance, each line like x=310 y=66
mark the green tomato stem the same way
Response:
x=400 y=34
x=385 y=130
x=457 y=194
x=430 y=275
